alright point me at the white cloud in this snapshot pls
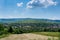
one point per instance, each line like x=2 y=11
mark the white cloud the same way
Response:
x=41 y=3
x=20 y=4
x=29 y=6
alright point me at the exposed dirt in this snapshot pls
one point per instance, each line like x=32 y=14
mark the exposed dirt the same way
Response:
x=28 y=36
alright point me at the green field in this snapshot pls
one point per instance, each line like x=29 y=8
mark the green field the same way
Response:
x=4 y=35
x=54 y=34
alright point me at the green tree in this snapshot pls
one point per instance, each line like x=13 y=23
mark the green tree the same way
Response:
x=1 y=29
x=10 y=30
x=17 y=31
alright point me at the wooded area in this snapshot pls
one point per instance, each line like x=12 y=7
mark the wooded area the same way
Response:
x=18 y=28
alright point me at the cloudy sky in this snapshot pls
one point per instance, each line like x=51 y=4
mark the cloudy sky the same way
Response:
x=47 y=9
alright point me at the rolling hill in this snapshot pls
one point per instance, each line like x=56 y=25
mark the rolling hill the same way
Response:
x=27 y=20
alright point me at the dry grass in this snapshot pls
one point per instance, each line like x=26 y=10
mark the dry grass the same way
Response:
x=28 y=36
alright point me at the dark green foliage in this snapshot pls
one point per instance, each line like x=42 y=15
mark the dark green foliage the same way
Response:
x=10 y=30
x=17 y=31
x=1 y=29
x=18 y=28
x=59 y=30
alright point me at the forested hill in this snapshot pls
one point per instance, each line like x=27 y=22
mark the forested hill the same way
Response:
x=25 y=25
x=27 y=20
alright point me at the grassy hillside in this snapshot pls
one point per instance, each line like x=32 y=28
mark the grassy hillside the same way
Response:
x=54 y=34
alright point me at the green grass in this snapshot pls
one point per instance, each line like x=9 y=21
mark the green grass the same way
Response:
x=4 y=35
x=54 y=34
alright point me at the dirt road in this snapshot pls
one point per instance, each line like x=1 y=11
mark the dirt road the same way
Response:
x=28 y=36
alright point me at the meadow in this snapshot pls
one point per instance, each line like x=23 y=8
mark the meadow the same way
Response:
x=53 y=34
x=33 y=36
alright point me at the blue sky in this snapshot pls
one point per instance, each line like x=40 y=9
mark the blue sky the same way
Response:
x=47 y=9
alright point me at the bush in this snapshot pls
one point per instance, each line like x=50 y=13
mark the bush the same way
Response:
x=10 y=30
x=17 y=31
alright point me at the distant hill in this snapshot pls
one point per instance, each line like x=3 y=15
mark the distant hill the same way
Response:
x=27 y=20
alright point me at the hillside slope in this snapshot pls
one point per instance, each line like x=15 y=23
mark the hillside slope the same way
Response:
x=28 y=36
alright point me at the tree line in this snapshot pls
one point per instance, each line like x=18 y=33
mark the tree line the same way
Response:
x=18 y=28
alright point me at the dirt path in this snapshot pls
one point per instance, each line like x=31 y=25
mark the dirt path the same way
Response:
x=28 y=36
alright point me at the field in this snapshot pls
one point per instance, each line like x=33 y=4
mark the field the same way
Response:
x=53 y=34
x=33 y=36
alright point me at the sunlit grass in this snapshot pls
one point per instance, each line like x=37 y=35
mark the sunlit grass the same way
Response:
x=4 y=35
x=53 y=34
